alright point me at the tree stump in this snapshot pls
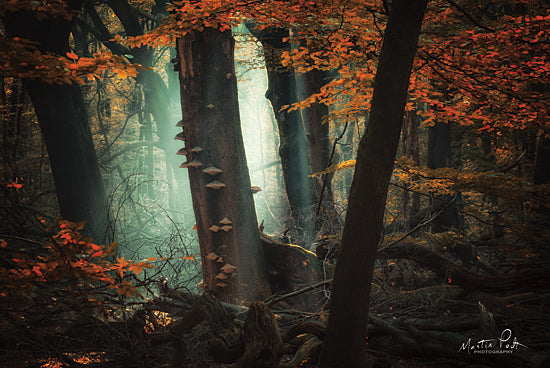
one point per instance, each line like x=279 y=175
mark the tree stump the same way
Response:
x=226 y=346
x=263 y=343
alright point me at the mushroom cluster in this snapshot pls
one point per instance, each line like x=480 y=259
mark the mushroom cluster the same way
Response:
x=191 y=162
x=226 y=225
x=227 y=270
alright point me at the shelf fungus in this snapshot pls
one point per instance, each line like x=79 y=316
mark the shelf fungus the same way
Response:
x=210 y=106
x=212 y=171
x=214 y=228
x=196 y=149
x=226 y=228
x=228 y=268
x=193 y=163
x=254 y=189
x=222 y=276
x=180 y=136
x=180 y=124
x=182 y=152
x=212 y=256
x=222 y=284
x=216 y=185
x=225 y=221
x=228 y=75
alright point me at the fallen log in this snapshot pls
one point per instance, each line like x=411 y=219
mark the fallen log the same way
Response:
x=469 y=281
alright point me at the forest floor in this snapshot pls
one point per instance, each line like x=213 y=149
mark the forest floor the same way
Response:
x=418 y=319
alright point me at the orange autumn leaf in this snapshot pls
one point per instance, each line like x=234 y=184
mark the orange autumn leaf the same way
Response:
x=136 y=268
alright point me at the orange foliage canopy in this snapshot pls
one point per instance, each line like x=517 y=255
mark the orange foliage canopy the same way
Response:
x=479 y=63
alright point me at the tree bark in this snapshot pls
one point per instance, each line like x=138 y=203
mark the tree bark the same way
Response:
x=317 y=130
x=156 y=92
x=439 y=156
x=63 y=121
x=542 y=177
x=542 y=161
x=211 y=121
x=346 y=339
x=293 y=143
x=411 y=201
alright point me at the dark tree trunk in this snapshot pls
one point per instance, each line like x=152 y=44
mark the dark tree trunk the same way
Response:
x=64 y=124
x=211 y=121
x=346 y=340
x=488 y=162
x=439 y=156
x=317 y=131
x=542 y=161
x=156 y=92
x=542 y=177
x=146 y=135
x=293 y=143
x=411 y=201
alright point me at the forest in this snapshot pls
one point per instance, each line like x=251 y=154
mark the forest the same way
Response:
x=274 y=183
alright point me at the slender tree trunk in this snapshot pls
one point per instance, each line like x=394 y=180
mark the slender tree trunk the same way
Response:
x=542 y=177
x=317 y=127
x=211 y=121
x=411 y=201
x=147 y=136
x=488 y=162
x=346 y=342
x=64 y=124
x=156 y=92
x=542 y=161
x=439 y=156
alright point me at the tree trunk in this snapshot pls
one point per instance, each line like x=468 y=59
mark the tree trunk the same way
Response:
x=542 y=161
x=156 y=92
x=293 y=144
x=64 y=124
x=346 y=341
x=439 y=156
x=211 y=121
x=411 y=201
x=542 y=177
x=317 y=132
